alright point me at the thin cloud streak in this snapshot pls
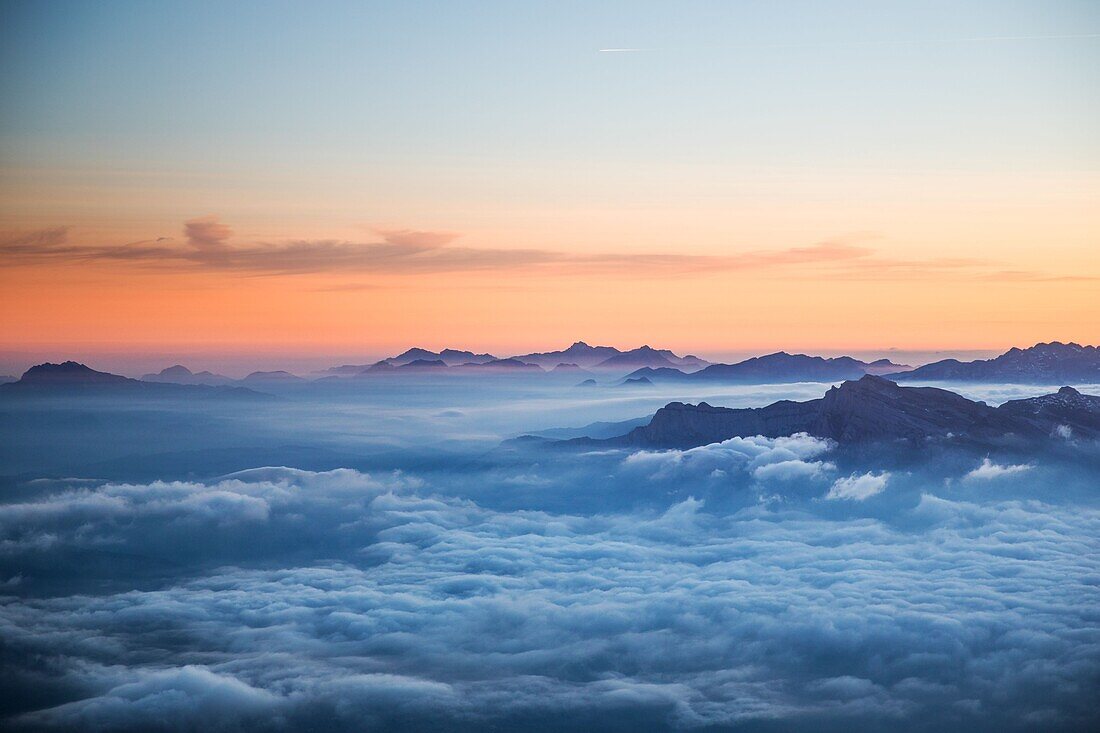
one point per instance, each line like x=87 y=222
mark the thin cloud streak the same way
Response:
x=419 y=252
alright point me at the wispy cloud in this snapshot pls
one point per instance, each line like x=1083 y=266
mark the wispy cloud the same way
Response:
x=208 y=244
x=206 y=233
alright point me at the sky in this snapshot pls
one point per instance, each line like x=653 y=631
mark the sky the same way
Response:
x=356 y=178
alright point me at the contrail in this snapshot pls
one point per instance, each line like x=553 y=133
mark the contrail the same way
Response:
x=894 y=41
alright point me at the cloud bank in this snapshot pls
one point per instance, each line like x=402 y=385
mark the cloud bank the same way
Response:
x=208 y=245
x=859 y=488
x=344 y=601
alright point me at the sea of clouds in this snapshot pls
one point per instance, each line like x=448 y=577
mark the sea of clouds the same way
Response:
x=827 y=596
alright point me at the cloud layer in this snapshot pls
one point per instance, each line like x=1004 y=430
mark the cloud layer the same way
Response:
x=423 y=611
x=208 y=245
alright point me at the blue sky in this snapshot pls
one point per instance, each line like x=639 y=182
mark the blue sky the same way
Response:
x=347 y=84
x=944 y=153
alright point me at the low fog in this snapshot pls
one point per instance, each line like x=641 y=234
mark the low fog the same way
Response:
x=386 y=556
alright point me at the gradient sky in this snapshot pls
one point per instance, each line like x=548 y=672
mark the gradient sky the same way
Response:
x=359 y=177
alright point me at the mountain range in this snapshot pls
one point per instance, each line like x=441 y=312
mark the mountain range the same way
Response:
x=772 y=369
x=179 y=374
x=580 y=356
x=1044 y=363
x=873 y=409
x=73 y=378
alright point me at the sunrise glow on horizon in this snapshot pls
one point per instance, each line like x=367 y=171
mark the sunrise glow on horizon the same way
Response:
x=258 y=178
x=416 y=366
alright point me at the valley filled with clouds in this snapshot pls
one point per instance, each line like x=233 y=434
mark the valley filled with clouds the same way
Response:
x=752 y=584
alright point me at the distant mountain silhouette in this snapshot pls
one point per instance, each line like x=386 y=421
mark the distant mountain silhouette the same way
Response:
x=1053 y=363
x=276 y=377
x=648 y=357
x=638 y=382
x=73 y=378
x=874 y=409
x=774 y=368
x=380 y=367
x=643 y=356
x=454 y=357
x=419 y=365
x=414 y=354
x=449 y=357
x=599 y=430
x=499 y=365
x=346 y=370
x=180 y=374
x=1067 y=412
x=880 y=367
x=69 y=373
x=579 y=353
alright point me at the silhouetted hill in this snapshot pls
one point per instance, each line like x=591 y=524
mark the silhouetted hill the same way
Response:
x=880 y=367
x=73 y=378
x=454 y=357
x=180 y=374
x=417 y=365
x=643 y=356
x=610 y=358
x=275 y=377
x=414 y=354
x=579 y=353
x=786 y=367
x=68 y=373
x=499 y=365
x=568 y=369
x=873 y=409
x=449 y=357
x=770 y=369
x=1067 y=412
x=1053 y=363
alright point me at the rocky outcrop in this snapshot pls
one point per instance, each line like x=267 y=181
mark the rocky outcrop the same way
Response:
x=1066 y=413
x=874 y=409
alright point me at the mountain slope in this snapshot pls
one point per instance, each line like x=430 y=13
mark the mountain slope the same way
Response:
x=579 y=353
x=643 y=356
x=180 y=374
x=772 y=369
x=872 y=409
x=1044 y=363
x=1067 y=413
x=71 y=378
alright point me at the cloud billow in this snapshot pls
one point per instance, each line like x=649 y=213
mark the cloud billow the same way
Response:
x=421 y=610
x=209 y=245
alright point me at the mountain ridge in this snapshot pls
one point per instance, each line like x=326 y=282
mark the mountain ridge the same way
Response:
x=872 y=409
x=1051 y=362
x=71 y=377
